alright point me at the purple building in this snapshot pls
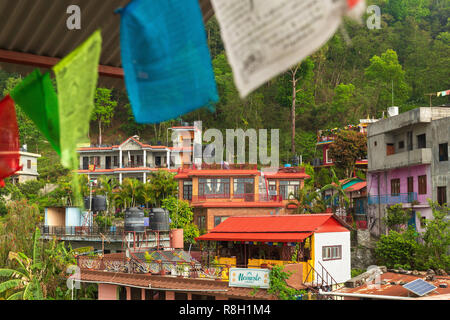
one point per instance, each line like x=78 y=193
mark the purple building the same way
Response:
x=408 y=164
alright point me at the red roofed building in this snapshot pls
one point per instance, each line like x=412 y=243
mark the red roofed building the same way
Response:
x=319 y=242
x=217 y=192
x=131 y=159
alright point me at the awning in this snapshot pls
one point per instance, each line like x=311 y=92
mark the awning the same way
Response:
x=256 y=236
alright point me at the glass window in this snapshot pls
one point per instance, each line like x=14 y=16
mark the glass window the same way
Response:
x=218 y=220
x=442 y=195
x=214 y=187
x=443 y=152
x=421 y=141
x=288 y=188
x=244 y=186
x=187 y=190
x=395 y=186
x=331 y=252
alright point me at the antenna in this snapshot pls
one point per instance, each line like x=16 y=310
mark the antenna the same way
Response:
x=392 y=85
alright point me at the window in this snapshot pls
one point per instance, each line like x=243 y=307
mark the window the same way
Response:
x=421 y=141
x=201 y=222
x=29 y=164
x=327 y=159
x=85 y=163
x=187 y=190
x=244 y=186
x=423 y=222
x=331 y=253
x=116 y=161
x=441 y=195
x=401 y=144
x=410 y=184
x=288 y=188
x=395 y=187
x=214 y=188
x=443 y=152
x=218 y=220
x=409 y=140
x=390 y=149
x=422 y=184
x=157 y=161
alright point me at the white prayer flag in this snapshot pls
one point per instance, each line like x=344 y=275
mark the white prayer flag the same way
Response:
x=264 y=38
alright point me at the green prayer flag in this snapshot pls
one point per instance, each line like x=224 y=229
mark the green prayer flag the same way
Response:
x=76 y=77
x=37 y=98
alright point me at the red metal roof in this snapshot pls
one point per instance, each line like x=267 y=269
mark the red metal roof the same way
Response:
x=357 y=186
x=283 y=228
x=216 y=173
x=262 y=237
x=287 y=175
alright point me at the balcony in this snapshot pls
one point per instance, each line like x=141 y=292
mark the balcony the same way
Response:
x=401 y=159
x=392 y=199
x=113 y=233
x=245 y=197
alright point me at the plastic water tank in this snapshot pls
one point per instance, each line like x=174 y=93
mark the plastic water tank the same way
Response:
x=134 y=220
x=159 y=219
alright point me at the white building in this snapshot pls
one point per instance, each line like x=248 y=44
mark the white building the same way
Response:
x=29 y=171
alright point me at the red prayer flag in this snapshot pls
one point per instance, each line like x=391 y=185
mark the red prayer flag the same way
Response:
x=9 y=140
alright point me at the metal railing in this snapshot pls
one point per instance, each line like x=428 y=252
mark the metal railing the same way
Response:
x=322 y=280
x=250 y=197
x=392 y=198
x=86 y=231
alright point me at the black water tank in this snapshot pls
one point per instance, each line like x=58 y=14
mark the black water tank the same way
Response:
x=134 y=220
x=159 y=219
x=98 y=203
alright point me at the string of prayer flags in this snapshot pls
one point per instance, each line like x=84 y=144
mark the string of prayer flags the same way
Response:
x=9 y=140
x=166 y=60
x=37 y=98
x=443 y=93
x=76 y=78
x=265 y=38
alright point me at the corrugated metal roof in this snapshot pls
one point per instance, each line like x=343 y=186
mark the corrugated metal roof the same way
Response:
x=38 y=27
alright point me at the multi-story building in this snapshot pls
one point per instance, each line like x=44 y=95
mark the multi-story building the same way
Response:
x=408 y=164
x=186 y=141
x=130 y=159
x=216 y=193
x=326 y=137
x=29 y=171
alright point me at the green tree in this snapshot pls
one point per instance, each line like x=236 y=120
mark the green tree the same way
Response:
x=103 y=109
x=278 y=286
x=162 y=186
x=181 y=216
x=348 y=147
x=396 y=217
x=338 y=191
x=386 y=76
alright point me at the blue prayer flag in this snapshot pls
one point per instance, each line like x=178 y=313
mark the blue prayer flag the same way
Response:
x=166 y=60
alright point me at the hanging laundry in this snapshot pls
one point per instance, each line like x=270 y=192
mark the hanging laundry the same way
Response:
x=166 y=60
x=76 y=78
x=265 y=38
x=9 y=140
x=36 y=96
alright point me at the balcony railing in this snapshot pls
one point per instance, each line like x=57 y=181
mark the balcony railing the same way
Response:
x=246 y=197
x=91 y=232
x=392 y=198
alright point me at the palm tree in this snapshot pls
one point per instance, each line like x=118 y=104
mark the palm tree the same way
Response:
x=26 y=280
x=162 y=185
x=107 y=186
x=132 y=187
x=307 y=200
x=146 y=193
x=340 y=194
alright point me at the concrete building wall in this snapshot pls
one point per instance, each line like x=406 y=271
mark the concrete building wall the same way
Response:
x=340 y=269
x=440 y=134
x=107 y=291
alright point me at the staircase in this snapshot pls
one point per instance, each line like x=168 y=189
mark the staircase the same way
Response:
x=322 y=280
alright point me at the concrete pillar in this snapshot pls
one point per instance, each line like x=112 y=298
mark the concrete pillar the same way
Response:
x=168 y=159
x=128 y=293
x=120 y=159
x=145 y=158
x=120 y=178
x=143 y=294
x=170 y=295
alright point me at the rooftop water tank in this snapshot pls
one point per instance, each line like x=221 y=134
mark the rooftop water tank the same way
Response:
x=392 y=111
x=159 y=219
x=134 y=220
